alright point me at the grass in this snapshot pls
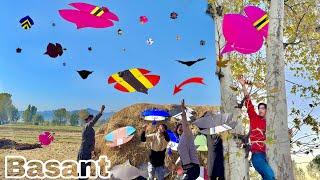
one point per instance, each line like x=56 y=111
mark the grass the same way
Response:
x=42 y=128
x=65 y=146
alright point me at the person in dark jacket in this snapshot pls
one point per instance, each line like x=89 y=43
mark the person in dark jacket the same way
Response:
x=88 y=141
x=158 y=142
x=215 y=157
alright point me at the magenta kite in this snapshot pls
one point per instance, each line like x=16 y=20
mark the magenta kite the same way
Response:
x=89 y=15
x=245 y=33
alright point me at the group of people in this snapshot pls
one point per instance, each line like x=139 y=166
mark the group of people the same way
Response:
x=186 y=148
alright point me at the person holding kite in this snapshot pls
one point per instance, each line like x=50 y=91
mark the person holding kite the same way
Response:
x=88 y=141
x=158 y=142
x=257 y=135
x=187 y=149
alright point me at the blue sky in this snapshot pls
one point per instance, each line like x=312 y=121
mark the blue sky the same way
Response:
x=33 y=78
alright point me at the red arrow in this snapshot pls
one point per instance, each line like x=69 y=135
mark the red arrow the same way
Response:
x=197 y=80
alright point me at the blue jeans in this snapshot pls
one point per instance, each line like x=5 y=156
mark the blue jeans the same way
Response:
x=158 y=172
x=260 y=163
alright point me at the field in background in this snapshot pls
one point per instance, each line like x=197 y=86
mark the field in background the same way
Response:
x=65 y=146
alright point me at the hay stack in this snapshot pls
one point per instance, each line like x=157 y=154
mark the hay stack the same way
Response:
x=136 y=151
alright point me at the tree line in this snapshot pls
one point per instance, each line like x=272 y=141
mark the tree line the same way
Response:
x=60 y=117
x=10 y=114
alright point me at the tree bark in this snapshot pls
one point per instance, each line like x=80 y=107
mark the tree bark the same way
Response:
x=277 y=119
x=318 y=8
x=236 y=165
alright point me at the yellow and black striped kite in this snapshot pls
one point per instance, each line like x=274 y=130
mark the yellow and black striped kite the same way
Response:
x=26 y=22
x=133 y=80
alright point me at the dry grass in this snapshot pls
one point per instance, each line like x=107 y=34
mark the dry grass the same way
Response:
x=65 y=146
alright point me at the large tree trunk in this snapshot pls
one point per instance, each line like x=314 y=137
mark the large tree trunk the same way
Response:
x=236 y=165
x=277 y=118
x=318 y=8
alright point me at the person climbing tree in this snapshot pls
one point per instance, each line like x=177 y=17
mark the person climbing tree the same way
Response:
x=257 y=135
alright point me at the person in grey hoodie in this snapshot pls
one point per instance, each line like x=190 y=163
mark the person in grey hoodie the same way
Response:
x=187 y=150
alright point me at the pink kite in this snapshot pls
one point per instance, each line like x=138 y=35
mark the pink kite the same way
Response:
x=45 y=138
x=89 y=15
x=245 y=33
x=143 y=19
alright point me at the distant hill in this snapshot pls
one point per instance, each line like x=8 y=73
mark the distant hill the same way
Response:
x=48 y=115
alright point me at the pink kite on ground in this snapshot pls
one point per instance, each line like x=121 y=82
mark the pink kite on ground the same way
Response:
x=45 y=138
x=143 y=19
x=245 y=33
x=89 y=15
